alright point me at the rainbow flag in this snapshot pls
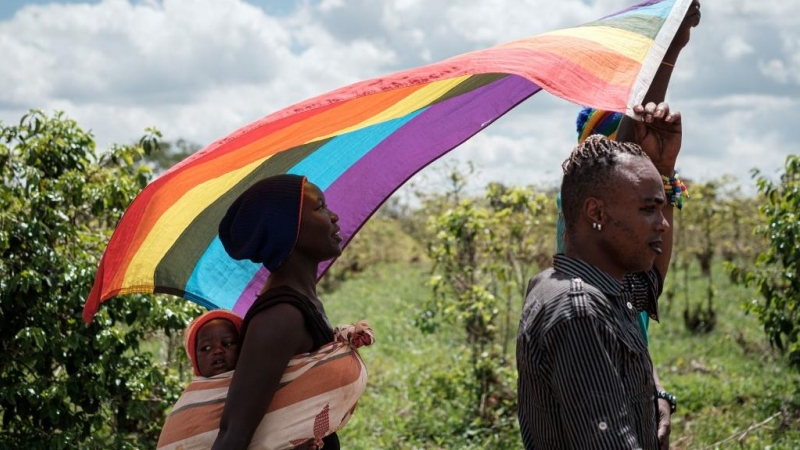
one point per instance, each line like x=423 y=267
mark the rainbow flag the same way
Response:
x=361 y=142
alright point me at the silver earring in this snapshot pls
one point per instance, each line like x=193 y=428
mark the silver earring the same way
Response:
x=597 y=226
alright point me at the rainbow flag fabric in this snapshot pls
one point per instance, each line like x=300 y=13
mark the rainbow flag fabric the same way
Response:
x=361 y=142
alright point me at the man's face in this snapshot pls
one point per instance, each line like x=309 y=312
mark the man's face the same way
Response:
x=635 y=223
x=217 y=347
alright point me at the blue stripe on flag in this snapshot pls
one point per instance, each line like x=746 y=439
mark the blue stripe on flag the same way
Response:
x=218 y=277
x=331 y=160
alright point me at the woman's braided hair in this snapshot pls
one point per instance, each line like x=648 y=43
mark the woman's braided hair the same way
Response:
x=589 y=169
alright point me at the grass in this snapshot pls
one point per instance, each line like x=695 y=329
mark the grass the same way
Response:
x=734 y=391
x=727 y=380
x=400 y=362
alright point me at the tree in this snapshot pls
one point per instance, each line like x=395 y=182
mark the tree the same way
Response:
x=525 y=241
x=699 y=236
x=484 y=250
x=167 y=154
x=64 y=384
x=714 y=224
x=777 y=269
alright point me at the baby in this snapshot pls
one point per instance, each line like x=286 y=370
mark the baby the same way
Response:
x=318 y=395
x=212 y=342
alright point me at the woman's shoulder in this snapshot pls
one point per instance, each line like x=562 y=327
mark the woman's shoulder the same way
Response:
x=286 y=296
x=281 y=291
x=280 y=319
x=281 y=302
x=279 y=295
x=281 y=322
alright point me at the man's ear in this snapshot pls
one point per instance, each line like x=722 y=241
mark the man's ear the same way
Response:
x=594 y=210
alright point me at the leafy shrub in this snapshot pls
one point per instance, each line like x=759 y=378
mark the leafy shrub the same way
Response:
x=64 y=384
x=776 y=274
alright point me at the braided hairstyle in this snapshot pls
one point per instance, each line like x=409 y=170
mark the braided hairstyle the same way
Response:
x=588 y=170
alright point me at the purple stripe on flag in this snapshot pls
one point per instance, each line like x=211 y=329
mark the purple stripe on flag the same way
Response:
x=362 y=188
x=369 y=182
x=250 y=293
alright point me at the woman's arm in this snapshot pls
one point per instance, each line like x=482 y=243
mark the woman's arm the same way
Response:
x=658 y=88
x=272 y=338
x=627 y=131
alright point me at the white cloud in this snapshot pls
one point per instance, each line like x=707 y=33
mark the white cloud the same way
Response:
x=777 y=11
x=785 y=69
x=199 y=69
x=735 y=48
x=115 y=51
x=328 y=5
x=734 y=134
x=775 y=70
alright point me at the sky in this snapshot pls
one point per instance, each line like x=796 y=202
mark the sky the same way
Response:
x=200 y=69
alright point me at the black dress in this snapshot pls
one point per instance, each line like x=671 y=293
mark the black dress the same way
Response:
x=321 y=331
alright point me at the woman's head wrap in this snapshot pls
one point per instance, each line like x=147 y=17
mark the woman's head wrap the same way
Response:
x=190 y=335
x=593 y=121
x=263 y=223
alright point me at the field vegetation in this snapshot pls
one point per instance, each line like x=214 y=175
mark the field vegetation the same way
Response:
x=441 y=282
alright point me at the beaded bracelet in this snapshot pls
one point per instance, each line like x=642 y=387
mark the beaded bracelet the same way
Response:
x=675 y=189
x=673 y=402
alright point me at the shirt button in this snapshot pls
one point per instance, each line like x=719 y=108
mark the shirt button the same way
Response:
x=602 y=426
x=630 y=306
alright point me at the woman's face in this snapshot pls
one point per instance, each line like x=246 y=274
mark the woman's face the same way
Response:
x=319 y=234
x=217 y=347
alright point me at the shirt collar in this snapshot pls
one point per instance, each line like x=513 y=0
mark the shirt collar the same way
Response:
x=589 y=273
x=644 y=299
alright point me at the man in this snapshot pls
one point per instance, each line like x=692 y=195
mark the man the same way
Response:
x=586 y=378
x=591 y=122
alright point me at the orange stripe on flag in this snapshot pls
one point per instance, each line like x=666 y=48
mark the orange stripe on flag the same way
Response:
x=297 y=133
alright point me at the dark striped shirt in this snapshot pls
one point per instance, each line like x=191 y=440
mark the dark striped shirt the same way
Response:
x=585 y=376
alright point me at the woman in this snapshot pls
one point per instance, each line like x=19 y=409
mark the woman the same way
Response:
x=283 y=223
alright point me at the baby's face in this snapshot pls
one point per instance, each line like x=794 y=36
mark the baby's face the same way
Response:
x=217 y=347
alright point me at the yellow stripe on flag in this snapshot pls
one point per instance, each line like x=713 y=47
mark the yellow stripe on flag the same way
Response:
x=418 y=99
x=175 y=220
x=628 y=43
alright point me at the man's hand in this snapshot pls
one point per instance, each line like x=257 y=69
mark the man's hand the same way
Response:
x=659 y=133
x=664 y=424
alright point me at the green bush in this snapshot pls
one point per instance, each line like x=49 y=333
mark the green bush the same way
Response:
x=776 y=274
x=64 y=384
